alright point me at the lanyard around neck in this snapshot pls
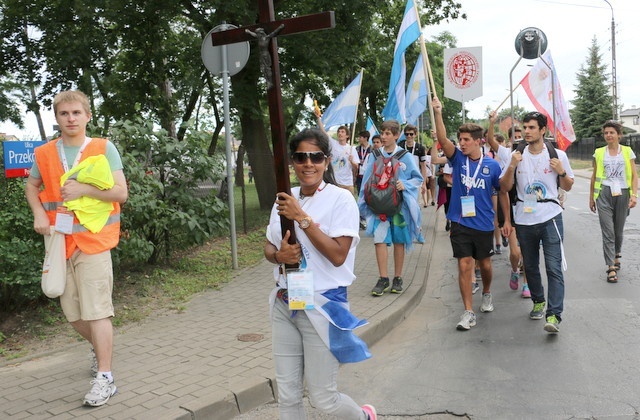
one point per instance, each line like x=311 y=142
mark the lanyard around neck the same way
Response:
x=63 y=155
x=470 y=181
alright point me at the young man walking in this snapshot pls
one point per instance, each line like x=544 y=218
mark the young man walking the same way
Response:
x=87 y=298
x=538 y=216
x=471 y=211
x=401 y=229
x=419 y=153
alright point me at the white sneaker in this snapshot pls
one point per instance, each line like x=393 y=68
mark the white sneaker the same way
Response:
x=487 y=304
x=467 y=320
x=101 y=390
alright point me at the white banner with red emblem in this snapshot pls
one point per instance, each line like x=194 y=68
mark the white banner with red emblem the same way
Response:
x=463 y=73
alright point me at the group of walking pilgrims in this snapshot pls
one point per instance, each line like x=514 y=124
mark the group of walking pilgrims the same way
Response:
x=496 y=195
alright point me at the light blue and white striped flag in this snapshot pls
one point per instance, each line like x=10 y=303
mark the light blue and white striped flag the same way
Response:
x=417 y=93
x=409 y=32
x=343 y=109
x=371 y=128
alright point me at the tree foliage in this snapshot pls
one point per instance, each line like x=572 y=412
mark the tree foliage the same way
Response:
x=139 y=63
x=171 y=203
x=593 y=104
x=141 y=58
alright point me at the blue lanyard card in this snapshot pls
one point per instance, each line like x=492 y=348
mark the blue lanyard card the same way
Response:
x=468 y=206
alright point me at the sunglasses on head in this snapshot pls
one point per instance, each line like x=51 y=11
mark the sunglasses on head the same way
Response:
x=301 y=157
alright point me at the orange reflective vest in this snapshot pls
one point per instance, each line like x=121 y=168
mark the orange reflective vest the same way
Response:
x=51 y=171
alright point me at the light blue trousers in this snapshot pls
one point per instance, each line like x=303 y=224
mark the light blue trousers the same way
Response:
x=300 y=354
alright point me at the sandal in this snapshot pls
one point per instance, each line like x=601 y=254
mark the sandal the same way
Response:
x=612 y=275
x=616 y=264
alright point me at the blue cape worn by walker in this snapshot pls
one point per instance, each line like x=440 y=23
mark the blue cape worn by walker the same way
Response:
x=412 y=180
x=91 y=212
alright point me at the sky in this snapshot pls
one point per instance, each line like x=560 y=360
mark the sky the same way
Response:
x=569 y=26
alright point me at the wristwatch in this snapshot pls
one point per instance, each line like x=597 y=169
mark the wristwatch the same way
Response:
x=305 y=222
x=562 y=175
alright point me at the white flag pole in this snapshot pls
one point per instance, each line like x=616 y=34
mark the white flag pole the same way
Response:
x=427 y=68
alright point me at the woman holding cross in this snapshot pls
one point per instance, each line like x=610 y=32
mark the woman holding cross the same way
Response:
x=312 y=327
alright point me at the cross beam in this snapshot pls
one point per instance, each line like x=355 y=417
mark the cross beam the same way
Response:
x=297 y=25
x=267 y=22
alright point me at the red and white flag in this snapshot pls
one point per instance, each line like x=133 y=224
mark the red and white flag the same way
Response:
x=537 y=85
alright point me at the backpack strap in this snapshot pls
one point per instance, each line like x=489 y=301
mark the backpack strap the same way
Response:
x=400 y=153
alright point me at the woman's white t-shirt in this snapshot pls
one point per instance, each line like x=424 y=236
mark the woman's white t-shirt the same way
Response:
x=614 y=168
x=336 y=213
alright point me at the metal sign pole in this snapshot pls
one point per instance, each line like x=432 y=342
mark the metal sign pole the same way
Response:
x=216 y=59
x=227 y=139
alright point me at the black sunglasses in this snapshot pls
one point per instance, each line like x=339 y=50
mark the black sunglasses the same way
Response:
x=301 y=157
x=409 y=134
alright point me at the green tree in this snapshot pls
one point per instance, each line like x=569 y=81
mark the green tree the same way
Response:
x=141 y=58
x=593 y=102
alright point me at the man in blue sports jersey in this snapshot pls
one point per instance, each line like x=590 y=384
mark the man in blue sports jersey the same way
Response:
x=471 y=210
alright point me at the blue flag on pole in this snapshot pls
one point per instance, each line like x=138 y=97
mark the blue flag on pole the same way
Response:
x=409 y=32
x=417 y=93
x=371 y=127
x=343 y=109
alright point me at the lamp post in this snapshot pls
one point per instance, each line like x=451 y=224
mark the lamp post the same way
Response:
x=613 y=64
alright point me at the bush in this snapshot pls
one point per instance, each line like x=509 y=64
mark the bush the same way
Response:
x=21 y=248
x=164 y=212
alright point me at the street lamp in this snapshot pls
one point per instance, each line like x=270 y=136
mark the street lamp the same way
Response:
x=613 y=64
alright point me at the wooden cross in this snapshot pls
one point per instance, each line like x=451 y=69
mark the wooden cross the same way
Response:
x=267 y=30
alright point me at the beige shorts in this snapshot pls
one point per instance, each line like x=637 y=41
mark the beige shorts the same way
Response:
x=87 y=294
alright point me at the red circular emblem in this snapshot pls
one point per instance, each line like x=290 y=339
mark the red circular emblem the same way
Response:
x=463 y=70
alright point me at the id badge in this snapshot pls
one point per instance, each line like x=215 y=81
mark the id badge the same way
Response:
x=300 y=289
x=64 y=221
x=530 y=203
x=616 y=190
x=468 y=206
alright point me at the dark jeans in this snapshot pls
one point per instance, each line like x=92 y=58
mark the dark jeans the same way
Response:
x=530 y=238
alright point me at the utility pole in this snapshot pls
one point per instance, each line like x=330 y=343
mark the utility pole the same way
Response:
x=613 y=64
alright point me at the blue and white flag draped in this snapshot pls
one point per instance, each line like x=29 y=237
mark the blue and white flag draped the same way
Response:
x=343 y=109
x=335 y=323
x=371 y=128
x=409 y=32
x=417 y=93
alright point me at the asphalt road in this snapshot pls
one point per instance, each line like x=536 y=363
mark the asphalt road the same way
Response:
x=507 y=367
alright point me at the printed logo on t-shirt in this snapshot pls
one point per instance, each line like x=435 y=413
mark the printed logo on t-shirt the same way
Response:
x=477 y=183
x=537 y=188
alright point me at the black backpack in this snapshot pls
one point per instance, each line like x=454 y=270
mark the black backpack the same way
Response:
x=519 y=147
x=380 y=192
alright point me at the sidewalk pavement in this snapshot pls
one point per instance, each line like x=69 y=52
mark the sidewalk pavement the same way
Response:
x=212 y=361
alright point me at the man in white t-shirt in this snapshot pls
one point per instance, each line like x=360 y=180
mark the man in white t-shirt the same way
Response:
x=344 y=157
x=538 y=216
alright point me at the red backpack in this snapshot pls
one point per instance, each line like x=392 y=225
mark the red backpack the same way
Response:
x=380 y=192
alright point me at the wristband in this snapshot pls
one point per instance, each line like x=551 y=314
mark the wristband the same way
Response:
x=634 y=195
